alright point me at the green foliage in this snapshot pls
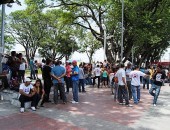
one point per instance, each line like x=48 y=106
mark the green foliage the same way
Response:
x=89 y=45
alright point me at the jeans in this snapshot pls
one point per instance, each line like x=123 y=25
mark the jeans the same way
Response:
x=129 y=89
x=81 y=84
x=146 y=81
x=68 y=83
x=135 y=93
x=60 y=87
x=32 y=74
x=122 y=91
x=75 y=90
x=155 y=94
x=116 y=91
x=89 y=81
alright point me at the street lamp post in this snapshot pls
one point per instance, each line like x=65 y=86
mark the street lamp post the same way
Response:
x=2 y=36
x=104 y=28
x=169 y=60
x=122 y=31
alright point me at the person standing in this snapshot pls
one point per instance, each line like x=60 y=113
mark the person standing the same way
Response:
x=13 y=63
x=128 y=80
x=75 y=81
x=151 y=71
x=58 y=73
x=21 y=72
x=97 y=74
x=122 y=90
x=104 y=76
x=36 y=65
x=135 y=83
x=146 y=79
x=68 y=77
x=158 y=78
x=81 y=78
x=47 y=79
x=32 y=74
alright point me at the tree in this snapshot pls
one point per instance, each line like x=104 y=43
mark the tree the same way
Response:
x=28 y=28
x=59 y=39
x=9 y=43
x=89 y=45
x=142 y=20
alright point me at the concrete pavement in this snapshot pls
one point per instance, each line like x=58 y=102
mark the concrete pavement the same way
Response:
x=95 y=111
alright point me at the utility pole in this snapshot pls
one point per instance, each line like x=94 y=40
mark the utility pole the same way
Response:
x=122 y=31
x=2 y=36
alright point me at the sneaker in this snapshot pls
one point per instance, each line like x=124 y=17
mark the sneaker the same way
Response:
x=74 y=102
x=33 y=109
x=154 y=105
x=122 y=103
x=21 y=109
x=129 y=105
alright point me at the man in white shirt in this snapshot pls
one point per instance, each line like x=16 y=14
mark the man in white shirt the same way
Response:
x=122 y=90
x=27 y=94
x=97 y=73
x=135 y=83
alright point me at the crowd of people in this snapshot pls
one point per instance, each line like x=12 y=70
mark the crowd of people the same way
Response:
x=124 y=81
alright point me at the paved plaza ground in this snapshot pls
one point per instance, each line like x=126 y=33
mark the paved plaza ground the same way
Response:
x=95 y=111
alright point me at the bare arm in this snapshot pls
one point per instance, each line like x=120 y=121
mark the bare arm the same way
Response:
x=23 y=93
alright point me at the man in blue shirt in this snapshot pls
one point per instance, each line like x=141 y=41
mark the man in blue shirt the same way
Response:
x=58 y=73
x=75 y=81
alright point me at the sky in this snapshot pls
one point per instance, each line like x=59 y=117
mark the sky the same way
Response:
x=98 y=56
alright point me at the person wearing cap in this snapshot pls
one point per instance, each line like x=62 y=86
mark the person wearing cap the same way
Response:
x=27 y=94
x=75 y=81
x=135 y=83
x=158 y=78
x=58 y=73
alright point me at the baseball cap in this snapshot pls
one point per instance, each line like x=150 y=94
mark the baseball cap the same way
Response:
x=27 y=80
x=74 y=61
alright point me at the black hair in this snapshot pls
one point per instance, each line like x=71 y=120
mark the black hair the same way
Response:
x=13 y=53
x=57 y=62
x=136 y=67
x=48 y=61
x=41 y=87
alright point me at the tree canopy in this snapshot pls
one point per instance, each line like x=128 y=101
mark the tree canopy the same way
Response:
x=56 y=31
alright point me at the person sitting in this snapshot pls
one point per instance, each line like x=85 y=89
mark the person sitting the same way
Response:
x=27 y=93
x=39 y=90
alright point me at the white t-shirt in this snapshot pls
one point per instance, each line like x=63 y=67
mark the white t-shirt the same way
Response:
x=111 y=75
x=135 y=76
x=22 y=66
x=97 y=71
x=26 y=89
x=120 y=74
